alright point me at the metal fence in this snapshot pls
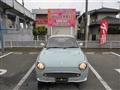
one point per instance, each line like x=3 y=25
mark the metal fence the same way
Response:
x=83 y=44
x=95 y=44
x=33 y=44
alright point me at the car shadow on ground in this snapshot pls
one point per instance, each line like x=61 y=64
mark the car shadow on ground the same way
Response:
x=60 y=86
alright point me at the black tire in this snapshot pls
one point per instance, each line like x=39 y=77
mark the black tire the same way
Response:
x=40 y=84
x=81 y=84
x=43 y=86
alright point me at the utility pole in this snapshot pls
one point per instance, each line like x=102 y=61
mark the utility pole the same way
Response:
x=102 y=3
x=23 y=2
x=86 y=23
x=119 y=7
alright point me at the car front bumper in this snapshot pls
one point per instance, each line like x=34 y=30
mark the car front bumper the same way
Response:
x=61 y=74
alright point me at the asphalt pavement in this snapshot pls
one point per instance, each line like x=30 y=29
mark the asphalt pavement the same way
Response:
x=103 y=74
x=16 y=64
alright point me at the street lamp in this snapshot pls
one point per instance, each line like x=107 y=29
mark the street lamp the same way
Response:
x=86 y=23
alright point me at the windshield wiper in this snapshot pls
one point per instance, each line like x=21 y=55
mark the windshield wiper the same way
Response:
x=61 y=47
x=53 y=47
x=71 y=47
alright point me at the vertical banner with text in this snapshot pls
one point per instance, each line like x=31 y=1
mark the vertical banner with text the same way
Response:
x=103 y=31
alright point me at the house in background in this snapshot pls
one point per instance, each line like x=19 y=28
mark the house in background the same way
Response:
x=41 y=17
x=40 y=24
x=94 y=18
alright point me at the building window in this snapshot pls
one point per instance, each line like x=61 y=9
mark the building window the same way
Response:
x=114 y=30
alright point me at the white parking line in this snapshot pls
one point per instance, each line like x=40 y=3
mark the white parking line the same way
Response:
x=115 y=54
x=6 y=54
x=32 y=53
x=24 y=78
x=90 y=53
x=118 y=70
x=104 y=53
x=107 y=87
x=2 y=71
x=18 y=53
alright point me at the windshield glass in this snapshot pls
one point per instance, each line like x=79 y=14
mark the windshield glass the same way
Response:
x=62 y=42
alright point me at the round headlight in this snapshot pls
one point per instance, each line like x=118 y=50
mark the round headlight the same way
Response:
x=40 y=66
x=83 y=66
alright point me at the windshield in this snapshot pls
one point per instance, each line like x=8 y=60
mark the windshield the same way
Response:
x=62 y=42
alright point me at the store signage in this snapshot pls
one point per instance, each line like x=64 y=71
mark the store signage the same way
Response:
x=40 y=21
x=62 y=17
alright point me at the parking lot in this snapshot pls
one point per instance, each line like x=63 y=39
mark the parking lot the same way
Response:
x=17 y=72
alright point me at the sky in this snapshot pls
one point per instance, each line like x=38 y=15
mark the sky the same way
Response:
x=79 y=5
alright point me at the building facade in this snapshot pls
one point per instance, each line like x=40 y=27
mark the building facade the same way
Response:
x=94 y=18
x=15 y=20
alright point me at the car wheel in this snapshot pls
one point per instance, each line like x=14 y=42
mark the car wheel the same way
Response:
x=43 y=86
x=81 y=84
x=40 y=84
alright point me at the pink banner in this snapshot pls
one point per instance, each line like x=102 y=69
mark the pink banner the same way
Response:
x=62 y=17
x=103 y=31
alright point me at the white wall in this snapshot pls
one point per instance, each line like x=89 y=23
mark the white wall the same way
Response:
x=62 y=31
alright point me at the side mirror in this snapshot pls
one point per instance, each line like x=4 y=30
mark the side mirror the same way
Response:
x=80 y=44
x=42 y=44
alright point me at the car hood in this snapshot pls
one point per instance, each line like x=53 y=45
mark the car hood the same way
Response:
x=60 y=57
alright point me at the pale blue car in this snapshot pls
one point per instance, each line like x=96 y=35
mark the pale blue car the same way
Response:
x=61 y=60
